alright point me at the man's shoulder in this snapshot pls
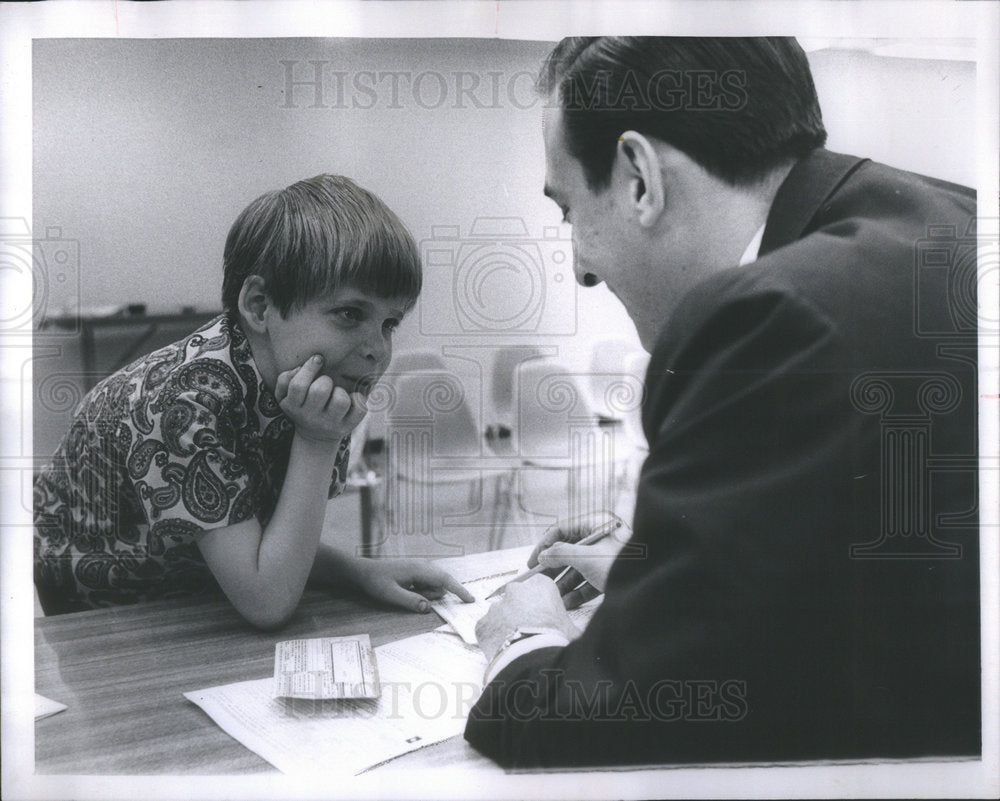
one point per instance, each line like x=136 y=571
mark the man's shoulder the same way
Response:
x=861 y=229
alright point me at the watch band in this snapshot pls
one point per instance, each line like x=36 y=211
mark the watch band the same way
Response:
x=519 y=635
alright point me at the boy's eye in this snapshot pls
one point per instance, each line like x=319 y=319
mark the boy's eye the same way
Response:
x=350 y=314
x=391 y=325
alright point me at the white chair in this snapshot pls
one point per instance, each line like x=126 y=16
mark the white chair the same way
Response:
x=434 y=450
x=618 y=371
x=558 y=429
x=411 y=361
x=504 y=377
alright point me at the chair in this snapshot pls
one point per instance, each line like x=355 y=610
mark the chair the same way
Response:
x=410 y=361
x=635 y=365
x=618 y=370
x=561 y=437
x=503 y=383
x=433 y=446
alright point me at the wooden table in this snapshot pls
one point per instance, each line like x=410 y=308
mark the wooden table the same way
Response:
x=122 y=673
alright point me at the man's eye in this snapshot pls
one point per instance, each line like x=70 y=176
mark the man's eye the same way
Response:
x=390 y=325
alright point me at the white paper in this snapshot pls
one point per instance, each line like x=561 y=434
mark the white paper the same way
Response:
x=429 y=684
x=461 y=616
x=325 y=667
x=45 y=707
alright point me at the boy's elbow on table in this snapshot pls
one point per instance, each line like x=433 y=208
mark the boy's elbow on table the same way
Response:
x=266 y=617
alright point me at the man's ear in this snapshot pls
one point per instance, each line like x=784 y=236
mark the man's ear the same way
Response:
x=640 y=170
x=254 y=304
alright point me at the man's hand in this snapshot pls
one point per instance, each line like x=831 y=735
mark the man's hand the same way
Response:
x=535 y=603
x=408 y=583
x=320 y=411
x=588 y=563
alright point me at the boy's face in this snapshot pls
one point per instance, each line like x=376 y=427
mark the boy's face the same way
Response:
x=350 y=328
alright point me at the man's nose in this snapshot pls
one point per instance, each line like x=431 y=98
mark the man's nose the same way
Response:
x=583 y=278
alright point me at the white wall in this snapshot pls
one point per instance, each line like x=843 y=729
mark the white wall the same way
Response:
x=145 y=150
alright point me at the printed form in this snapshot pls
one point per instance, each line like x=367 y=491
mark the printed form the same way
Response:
x=428 y=685
x=326 y=667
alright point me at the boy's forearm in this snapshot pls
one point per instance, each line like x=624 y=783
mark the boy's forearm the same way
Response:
x=334 y=568
x=289 y=542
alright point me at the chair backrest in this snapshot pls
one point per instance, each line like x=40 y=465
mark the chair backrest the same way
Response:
x=373 y=429
x=552 y=402
x=435 y=402
x=410 y=361
x=504 y=377
x=610 y=358
x=635 y=369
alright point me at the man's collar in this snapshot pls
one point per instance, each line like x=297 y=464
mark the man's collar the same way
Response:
x=750 y=254
x=811 y=181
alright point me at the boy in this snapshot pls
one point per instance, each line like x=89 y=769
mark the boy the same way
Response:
x=205 y=463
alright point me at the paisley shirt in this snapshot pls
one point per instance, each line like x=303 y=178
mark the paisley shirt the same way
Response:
x=180 y=441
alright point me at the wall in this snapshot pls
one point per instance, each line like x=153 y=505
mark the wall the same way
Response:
x=145 y=150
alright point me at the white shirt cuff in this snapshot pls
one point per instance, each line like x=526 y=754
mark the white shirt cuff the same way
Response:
x=522 y=647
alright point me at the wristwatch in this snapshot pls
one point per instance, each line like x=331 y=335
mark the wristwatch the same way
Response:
x=518 y=635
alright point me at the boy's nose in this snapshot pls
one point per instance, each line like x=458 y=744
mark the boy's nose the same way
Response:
x=378 y=349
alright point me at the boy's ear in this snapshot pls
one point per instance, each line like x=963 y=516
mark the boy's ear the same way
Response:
x=254 y=303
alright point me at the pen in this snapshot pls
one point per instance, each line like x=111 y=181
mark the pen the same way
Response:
x=596 y=535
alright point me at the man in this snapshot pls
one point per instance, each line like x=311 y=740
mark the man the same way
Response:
x=802 y=581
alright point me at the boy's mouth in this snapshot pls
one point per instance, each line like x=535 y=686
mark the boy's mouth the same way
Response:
x=363 y=384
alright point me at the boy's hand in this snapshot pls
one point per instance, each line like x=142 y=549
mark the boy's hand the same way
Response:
x=320 y=411
x=407 y=582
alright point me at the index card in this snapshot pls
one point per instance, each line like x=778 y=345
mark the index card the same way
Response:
x=326 y=667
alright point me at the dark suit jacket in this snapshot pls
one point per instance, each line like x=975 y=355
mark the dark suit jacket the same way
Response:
x=803 y=579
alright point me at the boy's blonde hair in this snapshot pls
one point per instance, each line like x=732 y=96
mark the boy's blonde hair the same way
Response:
x=315 y=236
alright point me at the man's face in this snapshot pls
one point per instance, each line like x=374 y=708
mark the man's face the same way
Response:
x=646 y=266
x=597 y=238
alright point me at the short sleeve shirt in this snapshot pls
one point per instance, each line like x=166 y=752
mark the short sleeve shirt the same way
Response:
x=181 y=441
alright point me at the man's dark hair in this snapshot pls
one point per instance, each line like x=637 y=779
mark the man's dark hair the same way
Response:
x=739 y=107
